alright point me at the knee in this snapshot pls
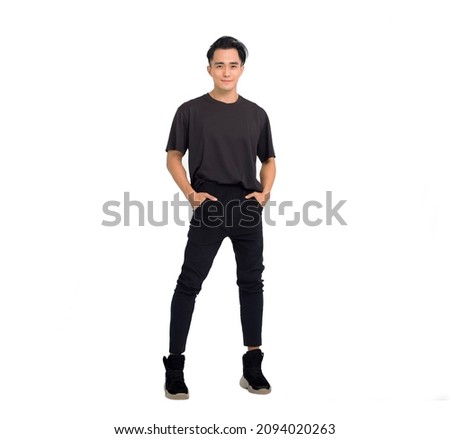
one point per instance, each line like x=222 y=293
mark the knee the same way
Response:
x=249 y=286
x=186 y=289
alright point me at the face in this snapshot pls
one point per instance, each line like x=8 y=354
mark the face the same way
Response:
x=225 y=69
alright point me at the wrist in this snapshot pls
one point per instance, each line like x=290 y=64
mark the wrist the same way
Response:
x=188 y=191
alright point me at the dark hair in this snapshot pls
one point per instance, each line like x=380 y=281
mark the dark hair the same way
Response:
x=228 y=43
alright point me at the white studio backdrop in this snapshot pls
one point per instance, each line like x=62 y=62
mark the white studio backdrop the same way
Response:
x=356 y=319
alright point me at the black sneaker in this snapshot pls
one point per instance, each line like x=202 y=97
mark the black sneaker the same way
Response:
x=253 y=379
x=175 y=387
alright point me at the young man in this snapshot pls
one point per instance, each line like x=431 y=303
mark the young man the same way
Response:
x=225 y=134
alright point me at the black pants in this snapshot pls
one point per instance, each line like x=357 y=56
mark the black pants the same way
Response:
x=239 y=219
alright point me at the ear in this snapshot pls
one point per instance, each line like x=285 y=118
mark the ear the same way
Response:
x=208 y=68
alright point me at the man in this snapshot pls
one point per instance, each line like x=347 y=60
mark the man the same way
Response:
x=225 y=134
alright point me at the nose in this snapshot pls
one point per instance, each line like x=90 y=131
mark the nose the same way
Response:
x=227 y=71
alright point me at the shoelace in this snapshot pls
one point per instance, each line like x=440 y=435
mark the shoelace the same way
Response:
x=177 y=377
x=256 y=374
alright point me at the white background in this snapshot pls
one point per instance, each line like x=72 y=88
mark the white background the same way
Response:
x=356 y=320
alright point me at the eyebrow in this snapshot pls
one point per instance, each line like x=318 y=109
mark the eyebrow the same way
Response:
x=221 y=62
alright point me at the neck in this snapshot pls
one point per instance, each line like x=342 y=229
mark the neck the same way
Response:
x=229 y=97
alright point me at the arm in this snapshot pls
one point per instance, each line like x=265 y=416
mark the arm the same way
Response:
x=178 y=173
x=267 y=177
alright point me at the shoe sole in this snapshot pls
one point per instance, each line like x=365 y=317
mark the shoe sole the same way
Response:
x=245 y=385
x=176 y=395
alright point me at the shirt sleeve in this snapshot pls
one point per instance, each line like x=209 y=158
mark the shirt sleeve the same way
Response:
x=265 y=145
x=179 y=133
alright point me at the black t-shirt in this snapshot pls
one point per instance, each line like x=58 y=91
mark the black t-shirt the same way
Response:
x=223 y=140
